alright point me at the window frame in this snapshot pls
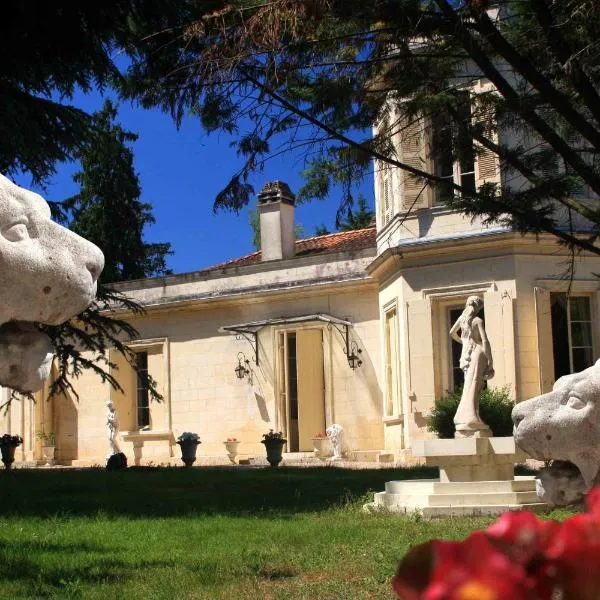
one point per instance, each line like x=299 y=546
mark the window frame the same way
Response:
x=592 y=345
x=392 y=406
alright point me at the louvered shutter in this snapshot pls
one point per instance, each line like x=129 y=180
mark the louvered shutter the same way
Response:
x=487 y=163
x=414 y=151
x=386 y=192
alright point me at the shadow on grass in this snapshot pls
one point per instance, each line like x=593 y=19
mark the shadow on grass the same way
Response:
x=26 y=566
x=163 y=492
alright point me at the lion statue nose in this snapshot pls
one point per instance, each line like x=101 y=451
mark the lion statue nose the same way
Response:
x=94 y=262
x=517 y=416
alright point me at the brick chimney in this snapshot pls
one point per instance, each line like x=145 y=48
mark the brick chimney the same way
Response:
x=276 y=205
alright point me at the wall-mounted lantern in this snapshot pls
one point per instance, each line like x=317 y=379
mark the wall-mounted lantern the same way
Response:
x=242 y=370
x=353 y=355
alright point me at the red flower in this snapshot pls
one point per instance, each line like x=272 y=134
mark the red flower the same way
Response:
x=469 y=570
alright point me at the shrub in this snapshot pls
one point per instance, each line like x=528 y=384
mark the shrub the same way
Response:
x=495 y=407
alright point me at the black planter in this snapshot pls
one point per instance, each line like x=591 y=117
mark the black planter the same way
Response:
x=188 y=452
x=274 y=451
x=8 y=455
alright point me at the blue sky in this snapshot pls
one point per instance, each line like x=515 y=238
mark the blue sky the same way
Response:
x=180 y=172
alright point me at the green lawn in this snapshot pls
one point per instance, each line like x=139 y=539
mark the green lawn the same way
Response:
x=204 y=533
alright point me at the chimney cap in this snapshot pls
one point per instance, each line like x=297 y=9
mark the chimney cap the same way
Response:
x=276 y=191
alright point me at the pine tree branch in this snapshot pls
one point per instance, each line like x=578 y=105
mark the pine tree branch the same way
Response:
x=571 y=68
x=515 y=101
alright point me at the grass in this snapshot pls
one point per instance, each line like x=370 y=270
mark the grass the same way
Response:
x=204 y=533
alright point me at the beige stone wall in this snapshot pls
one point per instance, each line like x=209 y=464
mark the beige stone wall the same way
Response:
x=430 y=223
x=425 y=283
x=202 y=393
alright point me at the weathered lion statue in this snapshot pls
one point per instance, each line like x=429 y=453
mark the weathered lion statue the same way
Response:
x=48 y=274
x=563 y=426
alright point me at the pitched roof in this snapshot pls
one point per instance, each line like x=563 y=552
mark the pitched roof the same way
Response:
x=344 y=241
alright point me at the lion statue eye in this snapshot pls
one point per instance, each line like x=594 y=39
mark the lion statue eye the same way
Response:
x=16 y=232
x=576 y=403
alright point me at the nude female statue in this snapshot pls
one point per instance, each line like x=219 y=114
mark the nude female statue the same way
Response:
x=476 y=362
x=112 y=428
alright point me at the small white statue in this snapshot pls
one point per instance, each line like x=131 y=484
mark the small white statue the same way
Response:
x=335 y=433
x=477 y=364
x=112 y=429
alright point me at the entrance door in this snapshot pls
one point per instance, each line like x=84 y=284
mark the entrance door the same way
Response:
x=303 y=382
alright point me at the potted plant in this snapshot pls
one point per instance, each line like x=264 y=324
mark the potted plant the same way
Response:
x=189 y=443
x=47 y=439
x=231 y=445
x=8 y=444
x=321 y=445
x=273 y=442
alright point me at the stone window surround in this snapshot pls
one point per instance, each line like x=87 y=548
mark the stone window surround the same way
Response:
x=397 y=417
x=139 y=436
x=578 y=287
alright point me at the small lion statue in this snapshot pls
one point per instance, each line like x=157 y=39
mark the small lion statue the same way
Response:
x=48 y=273
x=563 y=426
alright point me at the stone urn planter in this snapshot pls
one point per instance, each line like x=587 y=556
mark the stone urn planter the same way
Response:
x=231 y=445
x=321 y=446
x=47 y=438
x=274 y=442
x=188 y=443
x=8 y=445
x=48 y=453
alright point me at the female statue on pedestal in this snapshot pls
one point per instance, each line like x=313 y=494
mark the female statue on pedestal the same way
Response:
x=476 y=362
x=112 y=429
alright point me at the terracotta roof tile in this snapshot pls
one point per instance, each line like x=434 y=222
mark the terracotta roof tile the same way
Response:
x=344 y=241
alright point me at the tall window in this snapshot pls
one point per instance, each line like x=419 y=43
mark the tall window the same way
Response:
x=143 y=404
x=572 y=342
x=453 y=152
x=392 y=362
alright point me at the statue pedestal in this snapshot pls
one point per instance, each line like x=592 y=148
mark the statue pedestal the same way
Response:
x=476 y=478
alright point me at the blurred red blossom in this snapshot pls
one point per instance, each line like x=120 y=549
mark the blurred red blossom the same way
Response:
x=520 y=557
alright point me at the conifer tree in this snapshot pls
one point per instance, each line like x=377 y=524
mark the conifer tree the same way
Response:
x=360 y=219
x=107 y=210
x=330 y=69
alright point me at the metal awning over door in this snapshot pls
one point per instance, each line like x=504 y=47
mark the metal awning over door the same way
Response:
x=249 y=330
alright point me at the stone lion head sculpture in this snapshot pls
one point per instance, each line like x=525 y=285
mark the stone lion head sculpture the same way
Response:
x=48 y=274
x=564 y=425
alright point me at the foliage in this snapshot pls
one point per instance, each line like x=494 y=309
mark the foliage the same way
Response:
x=518 y=557
x=357 y=220
x=11 y=441
x=46 y=436
x=187 y=437
x=320 y=73
x=495 y=408
x=63 y=46
x=109 y=195
x=273 y=438
x=84 y=343
x=321 y=230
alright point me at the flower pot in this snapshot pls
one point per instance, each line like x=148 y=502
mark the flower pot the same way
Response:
x=188 y=452
x=232 y=450
x=321 y=447
x=8 y=455
x=48 y=453
x=274 y=452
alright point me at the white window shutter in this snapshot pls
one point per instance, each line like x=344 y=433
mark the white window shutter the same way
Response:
x=487 y=163
x=414 y=151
